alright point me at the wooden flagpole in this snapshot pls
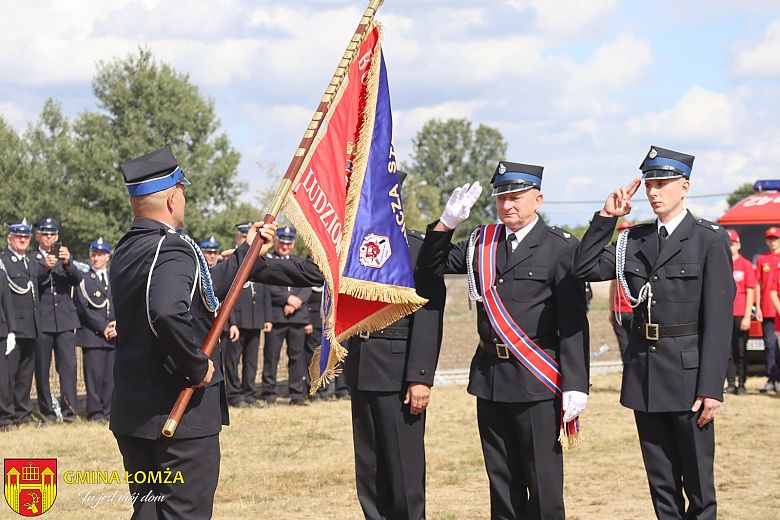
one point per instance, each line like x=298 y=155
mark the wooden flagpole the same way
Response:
x=281 y=193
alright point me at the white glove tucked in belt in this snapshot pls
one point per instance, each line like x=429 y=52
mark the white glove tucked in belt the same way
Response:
x=10 y=343
x=574 y=404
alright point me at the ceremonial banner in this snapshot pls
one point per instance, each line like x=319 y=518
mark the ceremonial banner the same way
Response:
x=347 y=207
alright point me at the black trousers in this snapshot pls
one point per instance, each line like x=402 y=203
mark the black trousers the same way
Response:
x=678 y=457
x=737 y=368
x=197 y=460
x=247 y=348
x=99 y=380
x=389 y=456
x=622 y=331
x=21 y=366
x=338 y=386
x=6 y=391
x=523 y=459
x=64 y=346
x=296 y=367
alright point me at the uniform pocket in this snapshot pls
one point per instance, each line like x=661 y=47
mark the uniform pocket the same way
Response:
x=530 y=283
x=681 y=283
x=690 y=359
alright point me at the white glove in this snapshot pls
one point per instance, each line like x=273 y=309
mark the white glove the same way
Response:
x=10 y=343
x=574 y=404
x=460 y=204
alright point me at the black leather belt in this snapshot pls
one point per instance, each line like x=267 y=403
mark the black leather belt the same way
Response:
x=501 y=351
x=654 y=331
x=388 y=333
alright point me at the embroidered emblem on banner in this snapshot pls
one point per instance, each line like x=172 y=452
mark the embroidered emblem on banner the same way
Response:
x=375 y=250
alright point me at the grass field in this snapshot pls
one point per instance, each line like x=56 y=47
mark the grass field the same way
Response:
x=297 y=462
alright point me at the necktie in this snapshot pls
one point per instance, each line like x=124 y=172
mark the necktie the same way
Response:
x=510 y=239
x=662 y=235
x=103 y=279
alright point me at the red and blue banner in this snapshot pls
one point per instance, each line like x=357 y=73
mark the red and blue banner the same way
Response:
x=347 y=207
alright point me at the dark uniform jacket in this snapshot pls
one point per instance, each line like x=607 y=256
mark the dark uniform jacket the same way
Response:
x=153 y=365
x=386 y=365
x=26 y=309
x=544 y=299
x=279 y=295
x=692 y=283
x=7 y=317
x=95 y=309
x=58 y=312
x=253 y=308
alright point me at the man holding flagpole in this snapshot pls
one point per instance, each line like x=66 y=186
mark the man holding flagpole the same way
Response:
x=530 y=370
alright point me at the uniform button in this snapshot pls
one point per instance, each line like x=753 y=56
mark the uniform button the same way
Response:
x=500 y=280
x=682 y=271
x=652 y=349
x=655 y=302
x=530 y=273
x=422 y=372
x=636 y=269
x=55 y=304
x=655 y=278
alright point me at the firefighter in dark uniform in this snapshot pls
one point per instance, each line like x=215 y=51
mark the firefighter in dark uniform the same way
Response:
x=24 y=275
x=679 y=268
x=59 y=322
x=7 y=346
x=165 y=305
x=228 y=341
x=336 y=388
x=389 y=374
x=289 y=316
x=252 y=314
x=96 y=336
x=519 y=418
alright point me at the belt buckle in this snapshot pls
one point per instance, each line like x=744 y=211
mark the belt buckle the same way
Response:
x=363 y=335
x=502 y=351
x=652 y=332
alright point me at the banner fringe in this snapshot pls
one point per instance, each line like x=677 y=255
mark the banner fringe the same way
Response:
x=379 y=320
x=373 y=291
x=360 y=159
x=569 y=442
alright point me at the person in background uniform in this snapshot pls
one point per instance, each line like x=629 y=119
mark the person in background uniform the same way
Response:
x=621 y=312
x=59 y=322
x=7 y=346
x=230 y=335
x=289 y=316
x=166 y=307
x=767 y=270
x=745 y=280
x=24 y=276
x=519 y=417
x=96 y=336
x=680 y=269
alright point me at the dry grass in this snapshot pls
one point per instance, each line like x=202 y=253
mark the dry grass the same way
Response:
x=297 y=463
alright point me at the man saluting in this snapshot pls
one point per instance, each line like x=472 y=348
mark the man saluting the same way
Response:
x=678 y=276
x=165 y=304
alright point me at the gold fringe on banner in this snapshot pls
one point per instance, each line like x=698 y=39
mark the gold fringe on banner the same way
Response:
x=360 y=160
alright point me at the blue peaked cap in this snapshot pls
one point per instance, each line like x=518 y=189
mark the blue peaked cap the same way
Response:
x=153 y=172
x=99 y=245
x=661 y=163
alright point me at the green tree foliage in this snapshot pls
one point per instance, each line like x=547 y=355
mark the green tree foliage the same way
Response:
x=70 y=170
x=445 y=155
x=742 y=191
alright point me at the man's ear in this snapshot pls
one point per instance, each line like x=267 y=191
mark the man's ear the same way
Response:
x=170 y=201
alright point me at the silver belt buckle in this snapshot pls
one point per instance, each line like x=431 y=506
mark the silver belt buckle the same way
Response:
x=652 y=332
x=502 y=351
x=363 y=335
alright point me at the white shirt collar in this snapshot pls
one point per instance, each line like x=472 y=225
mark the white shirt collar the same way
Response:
x=521 y=233
x=44 y=253
x=101 y=271
x=672 y=224
x=20 y=257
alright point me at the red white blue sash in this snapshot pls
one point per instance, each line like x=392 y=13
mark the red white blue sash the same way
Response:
x=532 y=357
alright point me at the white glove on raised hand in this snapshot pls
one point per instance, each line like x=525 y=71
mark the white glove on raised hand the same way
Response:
x=574 y=404
x=10 y=343
x=460 y=204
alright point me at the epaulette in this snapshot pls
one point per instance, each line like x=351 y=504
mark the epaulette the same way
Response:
x=560 y=232
x=416 y=234
x=706 y=224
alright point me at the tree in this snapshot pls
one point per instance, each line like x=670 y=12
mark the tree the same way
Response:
x=16 y=199
x=742 y=191
x=448 y=154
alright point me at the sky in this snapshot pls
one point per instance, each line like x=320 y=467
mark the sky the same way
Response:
x=583 y=88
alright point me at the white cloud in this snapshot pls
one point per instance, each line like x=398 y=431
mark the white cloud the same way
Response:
x=566 y=17
x=700 y=116
x=759 y=59
x=15 y=115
